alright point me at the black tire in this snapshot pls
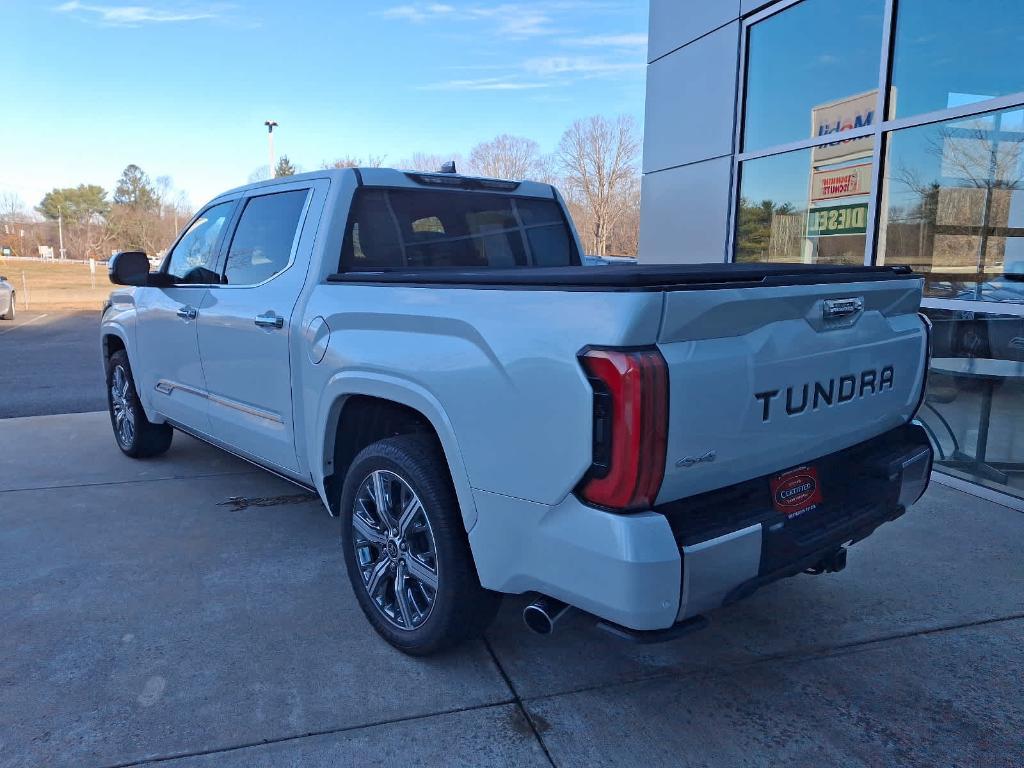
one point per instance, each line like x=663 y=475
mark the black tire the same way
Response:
x=144 y=439
x=11 y=310
x=461 y=608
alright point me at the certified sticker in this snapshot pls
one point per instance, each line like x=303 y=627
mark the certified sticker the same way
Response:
x=797 y=491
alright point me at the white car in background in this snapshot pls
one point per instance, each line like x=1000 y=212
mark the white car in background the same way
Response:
x=6 y=299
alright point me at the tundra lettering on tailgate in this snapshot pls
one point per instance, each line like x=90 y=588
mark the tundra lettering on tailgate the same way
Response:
x=818 y=394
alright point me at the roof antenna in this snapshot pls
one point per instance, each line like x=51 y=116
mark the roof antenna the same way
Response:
x=448 y=167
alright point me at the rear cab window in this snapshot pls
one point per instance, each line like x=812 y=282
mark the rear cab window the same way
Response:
x=395 y=229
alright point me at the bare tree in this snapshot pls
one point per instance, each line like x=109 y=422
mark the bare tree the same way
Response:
x=261 y=173
x=349 y=161
x=12 y=209
x=14 y=219
x=509 y=157
x=598 y=157
x=424 y=161
x=980 y=169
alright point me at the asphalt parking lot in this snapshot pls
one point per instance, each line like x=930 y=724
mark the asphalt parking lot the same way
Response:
x=193 y=611
x=50 y=363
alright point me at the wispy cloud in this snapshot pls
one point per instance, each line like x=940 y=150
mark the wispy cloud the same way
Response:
x=485 y=84
x=608 y=41
x=419 y=13
x=508 y=20
x=551 y=23
x=542 y=72
x=587 y=66
x=135 y=15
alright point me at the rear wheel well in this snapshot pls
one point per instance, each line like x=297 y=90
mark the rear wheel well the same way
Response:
x=363 y=421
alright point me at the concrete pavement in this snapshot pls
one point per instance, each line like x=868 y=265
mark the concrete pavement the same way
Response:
x=147 y=618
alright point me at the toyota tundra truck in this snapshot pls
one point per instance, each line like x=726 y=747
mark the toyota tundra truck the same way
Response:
x=486 y=415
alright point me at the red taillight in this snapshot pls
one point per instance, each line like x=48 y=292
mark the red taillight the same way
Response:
x=630 y=427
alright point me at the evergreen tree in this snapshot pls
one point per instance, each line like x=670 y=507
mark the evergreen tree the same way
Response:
x=284 y=167
x=75 y=204
x=135 y=190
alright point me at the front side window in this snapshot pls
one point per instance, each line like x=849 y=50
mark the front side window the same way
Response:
x=262 y=244
x=194 y=258
x=812 y=70
x=412 y=229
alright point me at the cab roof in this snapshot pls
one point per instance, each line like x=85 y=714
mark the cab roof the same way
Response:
x=392 y=177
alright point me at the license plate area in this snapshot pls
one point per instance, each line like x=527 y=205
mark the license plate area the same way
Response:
x=796 y=491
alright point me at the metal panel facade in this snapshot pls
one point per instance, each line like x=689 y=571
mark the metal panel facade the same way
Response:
x=689 y=132
x=674 y=23
x=686 y=213
x=690 y=118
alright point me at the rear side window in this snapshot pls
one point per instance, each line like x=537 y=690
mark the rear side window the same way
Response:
x=262 y=243
x=413 y=229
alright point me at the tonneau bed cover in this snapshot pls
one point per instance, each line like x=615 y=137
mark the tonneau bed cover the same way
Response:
x=630 y=277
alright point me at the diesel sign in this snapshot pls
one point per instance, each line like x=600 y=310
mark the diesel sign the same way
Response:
x=818 y=394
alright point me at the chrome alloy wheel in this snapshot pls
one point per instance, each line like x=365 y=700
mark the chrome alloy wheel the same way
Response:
x=395 y=549
x=120 y=402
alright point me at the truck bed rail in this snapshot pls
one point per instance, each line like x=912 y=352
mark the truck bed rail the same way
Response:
x=628 y=277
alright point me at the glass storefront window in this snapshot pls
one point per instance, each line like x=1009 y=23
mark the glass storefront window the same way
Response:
x=808 y=206
x=954 y=206
x=949 y=53
x=812 y=70
x=974 y=406
x=951 y=204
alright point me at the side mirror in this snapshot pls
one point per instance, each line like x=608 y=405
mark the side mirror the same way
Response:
x=129 y=268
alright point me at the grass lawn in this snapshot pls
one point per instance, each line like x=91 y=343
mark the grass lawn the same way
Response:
x=47 y=285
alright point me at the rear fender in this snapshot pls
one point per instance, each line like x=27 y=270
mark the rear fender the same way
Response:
x=403 y=392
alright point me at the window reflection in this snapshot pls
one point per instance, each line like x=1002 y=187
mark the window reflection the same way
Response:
x=974 y=405
x=809 y=206
x=816 y=62
x=954 y=206
x=950 y=53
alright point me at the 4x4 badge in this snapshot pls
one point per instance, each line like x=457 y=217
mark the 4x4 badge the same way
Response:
x=689 y=461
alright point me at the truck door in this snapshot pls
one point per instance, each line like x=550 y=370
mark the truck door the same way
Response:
x=168 y=370
x=244 y=326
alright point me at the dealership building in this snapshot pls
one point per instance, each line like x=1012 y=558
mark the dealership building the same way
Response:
x=860 y=132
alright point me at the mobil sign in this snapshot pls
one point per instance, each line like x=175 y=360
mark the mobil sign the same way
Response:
x=838 y=117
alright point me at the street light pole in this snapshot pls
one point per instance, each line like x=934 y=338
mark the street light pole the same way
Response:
x=271 y=124
x=60 y=230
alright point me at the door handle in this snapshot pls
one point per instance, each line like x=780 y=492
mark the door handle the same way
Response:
x=188 y=313
x=269 y=320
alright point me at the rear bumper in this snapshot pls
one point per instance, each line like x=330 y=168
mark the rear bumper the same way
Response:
x=648 y=571
x=864 y=486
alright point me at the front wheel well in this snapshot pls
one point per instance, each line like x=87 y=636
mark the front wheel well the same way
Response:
x=111 y=344
x=364 y=420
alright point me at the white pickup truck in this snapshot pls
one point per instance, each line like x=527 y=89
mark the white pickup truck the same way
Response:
x=486 y=415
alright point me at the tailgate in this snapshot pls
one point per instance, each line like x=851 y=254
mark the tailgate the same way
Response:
x=763 y=379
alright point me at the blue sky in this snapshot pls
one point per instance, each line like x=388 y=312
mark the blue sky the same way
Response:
x=182 y=88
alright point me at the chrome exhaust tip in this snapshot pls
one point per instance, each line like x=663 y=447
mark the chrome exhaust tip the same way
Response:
x=542 y=614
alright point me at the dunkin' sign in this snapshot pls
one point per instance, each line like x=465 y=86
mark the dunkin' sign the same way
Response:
x=843 y=182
